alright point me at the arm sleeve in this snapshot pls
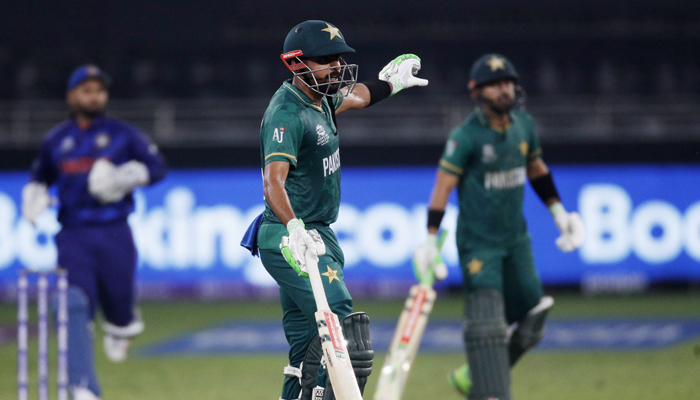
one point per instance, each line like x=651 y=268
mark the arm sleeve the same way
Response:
x=337 y=101
x=455 y=158
x=43 y=168
x=534 y=149
x=145 y=151
x=281 y=138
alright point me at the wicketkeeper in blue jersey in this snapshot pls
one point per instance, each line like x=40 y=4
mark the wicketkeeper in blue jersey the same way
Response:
x=95 y=161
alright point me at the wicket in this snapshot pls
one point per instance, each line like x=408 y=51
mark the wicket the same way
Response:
x=43 y=333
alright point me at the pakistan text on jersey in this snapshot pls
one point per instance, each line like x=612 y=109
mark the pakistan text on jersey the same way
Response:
x=331 y=163
x=505 y=179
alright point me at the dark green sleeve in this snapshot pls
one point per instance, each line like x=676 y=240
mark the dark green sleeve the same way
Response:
x=534 y=149
x=281 y=136
x=337 y=101
x=455 y=158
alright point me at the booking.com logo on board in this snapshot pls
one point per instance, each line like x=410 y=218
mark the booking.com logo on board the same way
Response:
x=189 y=227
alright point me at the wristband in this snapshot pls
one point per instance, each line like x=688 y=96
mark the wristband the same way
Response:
x=544 y=187
x=378 y=91
x=435 y=218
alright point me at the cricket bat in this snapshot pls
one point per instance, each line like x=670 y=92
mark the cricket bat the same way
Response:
x=333 y=342
x=406 y=341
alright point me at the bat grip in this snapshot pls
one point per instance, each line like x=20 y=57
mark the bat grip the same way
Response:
x=316 y=282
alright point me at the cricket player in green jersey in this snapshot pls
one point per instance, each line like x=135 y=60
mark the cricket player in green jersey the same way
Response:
x=488 y=158
x=301 y=184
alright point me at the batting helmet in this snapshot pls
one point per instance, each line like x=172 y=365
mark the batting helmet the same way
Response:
x=491 y=68
x=314 y=39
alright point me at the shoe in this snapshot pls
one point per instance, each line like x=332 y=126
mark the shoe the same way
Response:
x=116 y=348
x=81 y=393
x=459 y=379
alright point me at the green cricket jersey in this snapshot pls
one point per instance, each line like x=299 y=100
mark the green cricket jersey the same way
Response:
x=491 y=167
x=297 y=131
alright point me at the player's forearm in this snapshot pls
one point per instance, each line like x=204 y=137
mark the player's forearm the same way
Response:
x=444 y=183
x=541 y=181
x=436 y=209
x=362 y=96
x=276 y=196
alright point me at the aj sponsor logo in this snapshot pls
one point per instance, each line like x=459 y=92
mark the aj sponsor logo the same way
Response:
x=278 y=135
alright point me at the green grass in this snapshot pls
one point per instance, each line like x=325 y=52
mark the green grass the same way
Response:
x=672 y=373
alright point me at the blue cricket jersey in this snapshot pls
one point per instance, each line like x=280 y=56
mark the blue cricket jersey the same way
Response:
x=67 y=155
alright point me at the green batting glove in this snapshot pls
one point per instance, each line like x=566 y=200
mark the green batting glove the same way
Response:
x=401 y=73
x=293 y=246
x=289 y=258
x=427 y=261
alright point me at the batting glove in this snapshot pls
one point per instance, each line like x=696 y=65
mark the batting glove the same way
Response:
x=400 y=73
x=35 y=199
x=109 y=183
x=295 y=245
x=571 y=227
x=427 y=262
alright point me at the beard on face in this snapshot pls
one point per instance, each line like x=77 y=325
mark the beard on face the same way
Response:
x=325 y=83
x=90 y=112
x=501 y=106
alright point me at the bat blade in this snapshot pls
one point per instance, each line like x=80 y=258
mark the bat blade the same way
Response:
x=338 y=361
x=333 y=342
x=405 y=343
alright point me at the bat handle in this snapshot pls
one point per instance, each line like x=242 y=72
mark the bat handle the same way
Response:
x=316 y=282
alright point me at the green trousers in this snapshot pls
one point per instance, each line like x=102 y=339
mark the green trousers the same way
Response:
x=508 y=268
x=296 y=296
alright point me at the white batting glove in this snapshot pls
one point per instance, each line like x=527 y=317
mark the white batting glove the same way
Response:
x=295 y=245
x=571 y=227
x=109 y=184
x=427 y=261
x=400 y=73
x=35 y=199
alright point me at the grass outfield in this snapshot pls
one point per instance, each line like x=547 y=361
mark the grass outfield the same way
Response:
x=672 y=373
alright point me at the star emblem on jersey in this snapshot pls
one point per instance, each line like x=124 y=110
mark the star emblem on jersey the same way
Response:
x=496 y=63
x=331 y=274
x=523 y=147
x=475 y=266
x=333 y=31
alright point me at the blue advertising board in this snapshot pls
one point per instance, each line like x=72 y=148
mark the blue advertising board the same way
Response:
x=642 y=222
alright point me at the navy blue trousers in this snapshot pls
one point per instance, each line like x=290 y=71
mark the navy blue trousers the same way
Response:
x=101 y=260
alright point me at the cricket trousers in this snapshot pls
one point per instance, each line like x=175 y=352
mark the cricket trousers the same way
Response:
x=296 y=295
x=101 y=260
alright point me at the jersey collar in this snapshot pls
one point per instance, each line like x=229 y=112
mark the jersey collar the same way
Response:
x=302 y=96
x=484 y=120
x=95 y=122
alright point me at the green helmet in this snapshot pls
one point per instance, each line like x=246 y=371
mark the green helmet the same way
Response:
x=491 y=68
x=314 y=39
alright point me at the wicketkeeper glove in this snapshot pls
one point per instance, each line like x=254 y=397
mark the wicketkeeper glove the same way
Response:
x=571 y=227
x=400 y=73
x=295 y=245
x=427 y=262
x=109 y=183
x=35 y=199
